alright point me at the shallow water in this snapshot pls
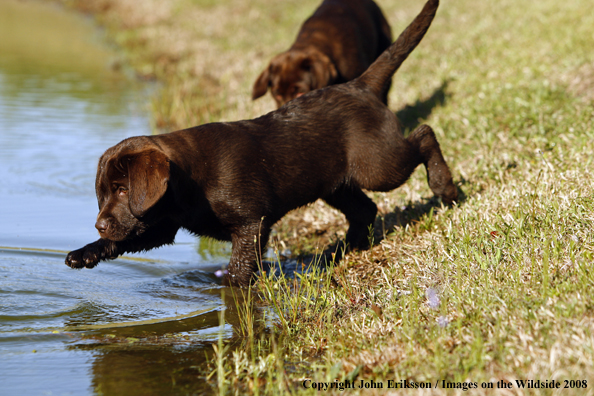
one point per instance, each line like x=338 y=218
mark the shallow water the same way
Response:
x=138 y=325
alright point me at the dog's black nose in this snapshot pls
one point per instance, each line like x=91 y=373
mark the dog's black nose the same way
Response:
x=101 y=225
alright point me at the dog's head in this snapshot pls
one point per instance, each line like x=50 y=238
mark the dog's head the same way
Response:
x=130 y=181
x=293 y=73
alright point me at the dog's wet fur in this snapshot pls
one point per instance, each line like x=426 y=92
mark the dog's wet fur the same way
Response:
x=232 y=181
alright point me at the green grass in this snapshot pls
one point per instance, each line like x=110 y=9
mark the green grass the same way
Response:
x=498 y=287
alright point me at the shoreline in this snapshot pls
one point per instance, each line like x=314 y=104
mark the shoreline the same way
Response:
x=182 y=46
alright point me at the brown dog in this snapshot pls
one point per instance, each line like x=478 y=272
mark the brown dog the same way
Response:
x=335 y=45
x=233 y=181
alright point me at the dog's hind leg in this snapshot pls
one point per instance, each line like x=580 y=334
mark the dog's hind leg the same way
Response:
x=388 y=165
x=438 y=174
x=360 y=212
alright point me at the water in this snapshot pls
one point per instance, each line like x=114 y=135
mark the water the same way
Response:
x=138 y=325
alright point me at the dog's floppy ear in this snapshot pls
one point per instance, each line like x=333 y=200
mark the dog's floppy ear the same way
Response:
x=262 y=83
x=322 y=69
x=148 y=176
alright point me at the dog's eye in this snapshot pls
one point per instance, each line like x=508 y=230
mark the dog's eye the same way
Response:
x=122 y=190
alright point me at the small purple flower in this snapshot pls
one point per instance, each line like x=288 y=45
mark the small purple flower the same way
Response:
x=443 y=321
x=220 y=273
x=432 y=298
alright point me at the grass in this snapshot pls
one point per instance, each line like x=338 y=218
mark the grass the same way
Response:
x=496 y=288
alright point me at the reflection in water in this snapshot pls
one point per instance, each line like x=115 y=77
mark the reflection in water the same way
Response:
x=160 y=358
x=135 y=325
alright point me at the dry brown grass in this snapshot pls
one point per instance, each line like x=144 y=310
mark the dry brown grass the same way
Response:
x=581 y=82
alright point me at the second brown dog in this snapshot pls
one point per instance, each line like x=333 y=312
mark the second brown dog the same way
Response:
x=335 y=45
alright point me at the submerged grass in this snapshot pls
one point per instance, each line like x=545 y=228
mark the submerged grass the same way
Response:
x=495 y=288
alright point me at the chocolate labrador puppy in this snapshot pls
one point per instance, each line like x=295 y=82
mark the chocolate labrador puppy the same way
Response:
x=335 y=45
x=233 y=180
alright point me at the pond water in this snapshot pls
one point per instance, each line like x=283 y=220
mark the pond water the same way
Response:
x=138 y=325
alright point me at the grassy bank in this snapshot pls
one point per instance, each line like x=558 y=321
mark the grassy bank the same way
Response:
x=497 y=287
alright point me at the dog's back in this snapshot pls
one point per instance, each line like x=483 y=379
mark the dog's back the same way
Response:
x=358 y=29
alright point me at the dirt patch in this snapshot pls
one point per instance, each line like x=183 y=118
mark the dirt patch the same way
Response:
x=581 y=82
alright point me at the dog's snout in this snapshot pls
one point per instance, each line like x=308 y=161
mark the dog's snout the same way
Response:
x=101 y=225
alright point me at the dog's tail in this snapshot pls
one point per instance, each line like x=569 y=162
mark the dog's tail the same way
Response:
x=377 y=76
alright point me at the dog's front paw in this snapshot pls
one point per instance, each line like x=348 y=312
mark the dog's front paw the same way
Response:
x=85 y=257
